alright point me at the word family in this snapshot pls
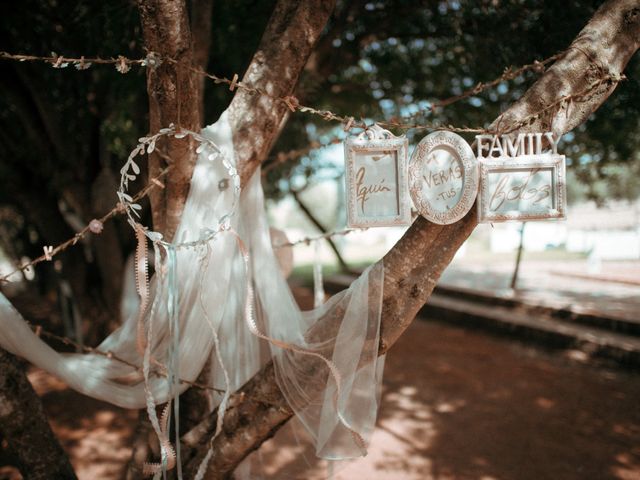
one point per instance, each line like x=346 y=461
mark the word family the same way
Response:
x=497 y=146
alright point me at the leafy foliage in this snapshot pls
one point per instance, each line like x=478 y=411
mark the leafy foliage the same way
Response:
x=391 y=59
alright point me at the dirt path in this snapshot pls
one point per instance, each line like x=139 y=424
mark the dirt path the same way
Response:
x=464 y=405
x=456 y=405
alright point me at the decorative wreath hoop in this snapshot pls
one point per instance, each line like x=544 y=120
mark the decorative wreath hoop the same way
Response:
x=130 y=171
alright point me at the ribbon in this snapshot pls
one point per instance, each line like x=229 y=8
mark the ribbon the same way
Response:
x=161 y=428
x=173 y=309
x=202 y=468
x=142 y=285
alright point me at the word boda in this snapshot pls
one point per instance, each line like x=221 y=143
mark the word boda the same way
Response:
x=509 y=189
x=496 y=146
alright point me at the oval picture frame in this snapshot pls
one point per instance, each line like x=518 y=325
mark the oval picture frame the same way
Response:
x=443 y=177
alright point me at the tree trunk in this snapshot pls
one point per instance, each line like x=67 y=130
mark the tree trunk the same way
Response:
x=24 y=425
x=173 y=98
x=414 y=265
x=516 y=268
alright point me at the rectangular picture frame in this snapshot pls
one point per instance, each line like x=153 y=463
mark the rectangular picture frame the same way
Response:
x=379 y=196
x=526 y=188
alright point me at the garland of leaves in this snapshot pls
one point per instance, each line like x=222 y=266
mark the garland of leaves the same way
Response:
x=152 y=60
x=130 y=171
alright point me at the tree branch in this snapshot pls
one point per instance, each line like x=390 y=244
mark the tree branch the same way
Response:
x=414 y=265
x=609 y=40
x=24 y=425
x=290 y=36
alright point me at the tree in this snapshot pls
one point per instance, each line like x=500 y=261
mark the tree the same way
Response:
x=294 y=40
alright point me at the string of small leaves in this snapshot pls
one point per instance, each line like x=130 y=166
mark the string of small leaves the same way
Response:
x=123 y=65
x=130 y=171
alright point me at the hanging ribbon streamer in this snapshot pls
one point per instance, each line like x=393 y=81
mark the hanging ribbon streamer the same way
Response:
x=222 y=407
x=318 y=285
x=173 y=308
x=161 y=427
x=142 y=284
x=169 y=457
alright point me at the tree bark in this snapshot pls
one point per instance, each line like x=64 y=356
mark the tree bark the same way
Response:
x=201 y=17
x=516 y=269
x=24 y=425
x=414 y=265
x=173 y=98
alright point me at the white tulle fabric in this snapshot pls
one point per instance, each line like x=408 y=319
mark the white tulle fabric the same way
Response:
x=212 y=287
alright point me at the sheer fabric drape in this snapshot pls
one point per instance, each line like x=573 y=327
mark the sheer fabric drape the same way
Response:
x=212 y=289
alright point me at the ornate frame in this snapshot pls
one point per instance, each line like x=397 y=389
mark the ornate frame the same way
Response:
x=547 y=161
x=372 y=140
x=464 y=153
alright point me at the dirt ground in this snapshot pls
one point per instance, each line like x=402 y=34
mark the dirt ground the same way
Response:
x=457 y=404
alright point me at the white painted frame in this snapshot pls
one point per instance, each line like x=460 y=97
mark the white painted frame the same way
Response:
x=375 y=139
x=554 y=163
x=463 y=153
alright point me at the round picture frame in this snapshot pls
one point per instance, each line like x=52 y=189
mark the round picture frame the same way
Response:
x=443 y=177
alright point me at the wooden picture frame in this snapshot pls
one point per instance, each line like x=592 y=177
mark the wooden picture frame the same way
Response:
x=376 y=179
x=522 y=188
x=443 y=177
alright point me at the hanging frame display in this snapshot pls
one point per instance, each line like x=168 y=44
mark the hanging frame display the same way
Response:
x=519 y=181
x=443 y=177
x=375 y=180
